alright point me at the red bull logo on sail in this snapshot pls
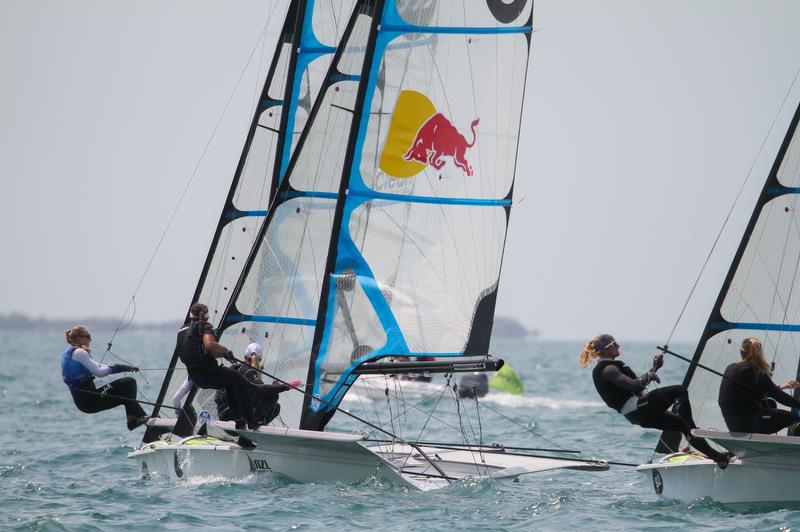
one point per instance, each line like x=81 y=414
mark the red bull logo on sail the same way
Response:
x=419 y=136
x=438 y=138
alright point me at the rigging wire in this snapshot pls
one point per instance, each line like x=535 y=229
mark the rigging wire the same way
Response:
x=733 y=205
x=132 y=302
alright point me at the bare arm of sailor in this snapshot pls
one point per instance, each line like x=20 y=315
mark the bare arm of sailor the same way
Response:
x=789 y=384
x=613 y=375
x=211 y=345
x=772 y=390
x=86 y=360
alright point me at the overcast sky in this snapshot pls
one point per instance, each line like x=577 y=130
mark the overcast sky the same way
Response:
x=641 y=121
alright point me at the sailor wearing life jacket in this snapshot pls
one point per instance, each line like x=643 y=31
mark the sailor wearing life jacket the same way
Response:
x=78 y=370
x=198 y=350
x=622 y=390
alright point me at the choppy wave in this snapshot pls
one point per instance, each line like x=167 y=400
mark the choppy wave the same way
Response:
x=503 y=399
x=524 y=401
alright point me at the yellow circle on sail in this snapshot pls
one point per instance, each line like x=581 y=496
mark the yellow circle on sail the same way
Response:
x=411 y=111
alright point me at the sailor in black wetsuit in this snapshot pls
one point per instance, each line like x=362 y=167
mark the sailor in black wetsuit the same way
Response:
x=264 y=397
x=198 y=350
x=623 y=391
x=744 y=391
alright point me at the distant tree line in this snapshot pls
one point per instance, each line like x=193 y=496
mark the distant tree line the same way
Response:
x=503 y=327
x=21 y=322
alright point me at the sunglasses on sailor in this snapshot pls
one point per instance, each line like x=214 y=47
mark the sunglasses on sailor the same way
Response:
x=87 y=336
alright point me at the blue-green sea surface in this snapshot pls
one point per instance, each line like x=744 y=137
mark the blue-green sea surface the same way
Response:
x=61 y=469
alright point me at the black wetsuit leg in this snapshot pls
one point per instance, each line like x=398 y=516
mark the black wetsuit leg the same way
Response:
x=771 y=420
x=118 y=392
x=237 y=389
x=652 y=413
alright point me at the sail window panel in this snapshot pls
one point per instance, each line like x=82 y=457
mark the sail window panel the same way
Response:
x=765 y=287
x=319 y=163
x=310 y=83
x=230 y=255
x=330 y=20
x=352 y=58
x=287 y=351
x=445 y=120
x=433 y=264
x=721 y=350
x=277 y=86
x=789 y=171
x=465 y=13
x=286 y=276
x=252 y=192
x=356 y=331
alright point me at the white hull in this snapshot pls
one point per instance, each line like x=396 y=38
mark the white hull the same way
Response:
x=766 y=470
x=310 y=456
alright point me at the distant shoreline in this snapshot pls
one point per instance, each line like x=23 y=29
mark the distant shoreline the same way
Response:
x=503 y=327
x=22 y=322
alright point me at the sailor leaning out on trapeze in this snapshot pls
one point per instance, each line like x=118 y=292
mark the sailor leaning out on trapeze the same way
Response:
x=747 y=396
x=241 y=396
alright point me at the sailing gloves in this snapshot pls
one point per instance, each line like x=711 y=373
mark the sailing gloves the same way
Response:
x=658 y=361
x=119 y=368
x=229 y=357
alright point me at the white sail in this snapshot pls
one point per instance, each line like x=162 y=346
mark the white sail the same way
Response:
x=761 y=294
x=303 y=54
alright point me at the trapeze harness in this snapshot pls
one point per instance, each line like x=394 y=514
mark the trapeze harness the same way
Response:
x=620 y=399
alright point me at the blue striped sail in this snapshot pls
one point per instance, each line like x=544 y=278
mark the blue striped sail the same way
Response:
x=307 y=41
x=398 y=196
x=761 y=293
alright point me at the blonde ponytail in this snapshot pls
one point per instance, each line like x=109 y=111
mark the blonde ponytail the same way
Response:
x=594 y=347
x=753 y=354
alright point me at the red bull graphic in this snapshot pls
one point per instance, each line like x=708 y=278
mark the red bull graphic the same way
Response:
x=419 y=136
x=438 y=138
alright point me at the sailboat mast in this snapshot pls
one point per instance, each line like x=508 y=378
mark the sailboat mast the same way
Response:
x=229 y=211
x=310 y=420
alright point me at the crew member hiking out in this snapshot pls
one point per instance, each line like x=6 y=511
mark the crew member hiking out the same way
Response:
x=78 y=371
x=198 y=350
x=622 y=390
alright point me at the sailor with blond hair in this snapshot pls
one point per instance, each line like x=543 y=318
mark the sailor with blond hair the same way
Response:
x=78 y=371
x=622 y=390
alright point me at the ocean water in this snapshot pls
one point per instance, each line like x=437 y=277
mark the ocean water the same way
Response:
x=61 y=469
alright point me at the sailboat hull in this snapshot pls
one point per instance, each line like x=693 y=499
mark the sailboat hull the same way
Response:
x=304 y=456
x=766 y=470
x=312 y=456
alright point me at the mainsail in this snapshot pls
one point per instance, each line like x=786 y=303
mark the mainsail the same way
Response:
x=308 y=39
x=761 y=292
x=385 y=234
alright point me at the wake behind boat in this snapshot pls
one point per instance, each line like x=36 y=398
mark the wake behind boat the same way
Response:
x=366 y=222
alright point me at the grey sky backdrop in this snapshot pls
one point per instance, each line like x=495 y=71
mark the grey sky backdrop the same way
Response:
x=641 y=121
